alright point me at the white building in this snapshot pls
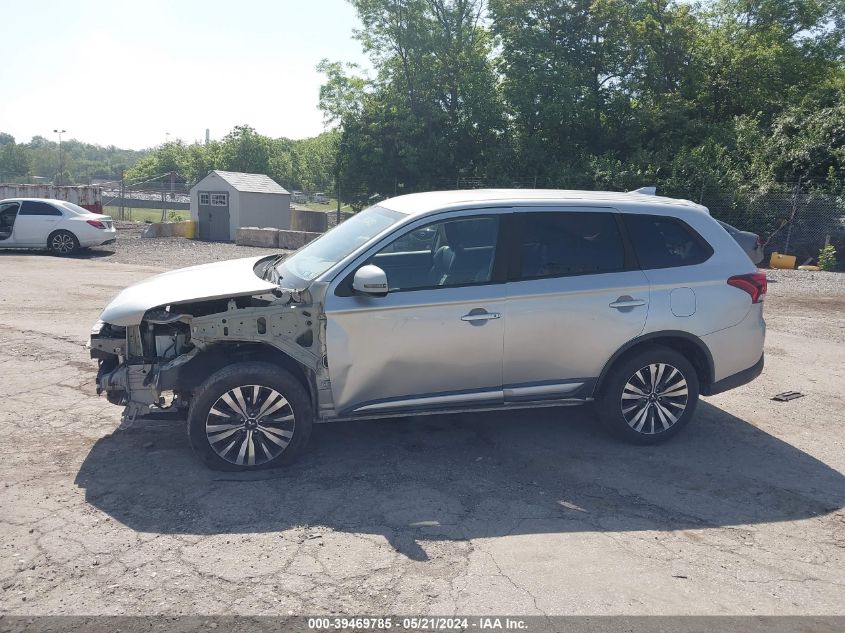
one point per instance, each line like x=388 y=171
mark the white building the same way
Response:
x=225 y=200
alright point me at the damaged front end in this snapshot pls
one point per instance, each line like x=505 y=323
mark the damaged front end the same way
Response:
x=158 y=362
x=134 y=359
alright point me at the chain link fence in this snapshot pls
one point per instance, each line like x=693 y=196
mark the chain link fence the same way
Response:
x=162 y=197
x=797 y=224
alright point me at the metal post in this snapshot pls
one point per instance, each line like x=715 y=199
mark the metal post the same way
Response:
x=792 y=217
x=61 y=165
x=337 y=193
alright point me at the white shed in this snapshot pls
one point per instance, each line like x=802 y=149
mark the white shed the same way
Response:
x=225 y=200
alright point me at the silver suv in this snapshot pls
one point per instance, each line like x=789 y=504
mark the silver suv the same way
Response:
x=444 y=302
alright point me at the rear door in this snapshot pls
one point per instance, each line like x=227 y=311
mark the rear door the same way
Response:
x=574 y=297
x=36 y=220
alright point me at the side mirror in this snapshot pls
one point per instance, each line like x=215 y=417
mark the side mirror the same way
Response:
x=370 y=280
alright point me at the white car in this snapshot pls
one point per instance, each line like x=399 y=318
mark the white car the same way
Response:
x=59 y=226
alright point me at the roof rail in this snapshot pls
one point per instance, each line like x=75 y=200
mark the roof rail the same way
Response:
x=646 y=191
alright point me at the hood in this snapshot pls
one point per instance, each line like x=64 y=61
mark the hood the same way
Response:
x=208 y=281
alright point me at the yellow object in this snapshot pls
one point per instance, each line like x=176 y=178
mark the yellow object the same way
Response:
x=809 y=268
x=779 y=260
x=191 y=230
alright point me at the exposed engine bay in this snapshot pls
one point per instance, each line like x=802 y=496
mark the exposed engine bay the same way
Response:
x=158 y=363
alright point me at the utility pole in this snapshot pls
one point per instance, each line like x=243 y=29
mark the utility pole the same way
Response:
x=61 y=165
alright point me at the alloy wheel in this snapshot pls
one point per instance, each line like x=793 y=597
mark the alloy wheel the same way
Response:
x=250 y=425
x=654 y=398
x=62 y=243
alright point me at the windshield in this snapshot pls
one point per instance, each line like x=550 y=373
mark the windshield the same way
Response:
x=317 y=257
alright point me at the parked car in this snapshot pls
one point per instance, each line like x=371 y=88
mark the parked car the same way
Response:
x=320 y=198
x=444 y=302
x=60 y=227
x=750 y=242
x=299 y=197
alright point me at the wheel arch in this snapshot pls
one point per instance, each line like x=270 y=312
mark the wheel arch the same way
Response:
x=689 y=345
x=194 y=372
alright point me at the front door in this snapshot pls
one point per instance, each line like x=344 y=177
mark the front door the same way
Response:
x=435 y=340
x=8 y=215
x=573 y=299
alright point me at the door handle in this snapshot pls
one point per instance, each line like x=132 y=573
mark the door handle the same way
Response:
x=481 y=316
x=627 y=302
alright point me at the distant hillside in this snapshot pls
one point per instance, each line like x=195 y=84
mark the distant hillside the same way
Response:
x=82 y=163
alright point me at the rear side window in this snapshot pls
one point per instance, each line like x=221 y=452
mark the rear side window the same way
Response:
x=569 y=243
x=663 y=242
x=31 y=207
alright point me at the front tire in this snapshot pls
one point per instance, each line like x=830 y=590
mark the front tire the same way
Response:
x=62 y=243
x=249 y=416
x=649 y=396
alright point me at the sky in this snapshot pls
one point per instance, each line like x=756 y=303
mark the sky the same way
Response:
x=130 y=73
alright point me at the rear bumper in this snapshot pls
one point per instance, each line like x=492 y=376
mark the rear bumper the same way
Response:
x=106 y=237
x=737 y=348
x=736 y=380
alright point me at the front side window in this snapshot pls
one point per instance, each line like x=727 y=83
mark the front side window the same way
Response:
x=32 y=207
x=569 y=243
x=664 y=242
x=204 y=199
x=456 y=252
x=219 y=199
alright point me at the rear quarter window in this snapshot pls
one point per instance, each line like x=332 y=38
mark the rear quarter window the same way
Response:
x=664 y=242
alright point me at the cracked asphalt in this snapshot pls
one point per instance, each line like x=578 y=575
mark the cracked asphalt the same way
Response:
x=517 y=513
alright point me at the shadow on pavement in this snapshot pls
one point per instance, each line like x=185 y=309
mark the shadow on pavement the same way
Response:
x=466 y=476
x=97 y=252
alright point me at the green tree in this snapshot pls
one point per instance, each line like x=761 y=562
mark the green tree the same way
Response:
x=244 y=150
x=433 y=110
x=14 y=161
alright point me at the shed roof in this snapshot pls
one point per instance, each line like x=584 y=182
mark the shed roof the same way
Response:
x=253 y=183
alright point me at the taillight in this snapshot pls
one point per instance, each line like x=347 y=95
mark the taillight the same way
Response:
x=96 y=224
x=754 y=284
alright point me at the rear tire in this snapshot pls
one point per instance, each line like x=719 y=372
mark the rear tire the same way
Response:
x=649 y=396
x=249 y=416
x=62 y=243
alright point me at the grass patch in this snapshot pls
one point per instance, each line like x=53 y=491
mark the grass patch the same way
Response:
x=331 y=205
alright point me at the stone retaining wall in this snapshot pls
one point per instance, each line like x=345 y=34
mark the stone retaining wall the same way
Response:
x=171 y=229
x=253 y=236
x=292 y=240
x=274 y=238
x=310 y=221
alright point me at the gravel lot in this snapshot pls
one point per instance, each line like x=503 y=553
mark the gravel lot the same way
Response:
x=168 y=252
x=520 y=513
